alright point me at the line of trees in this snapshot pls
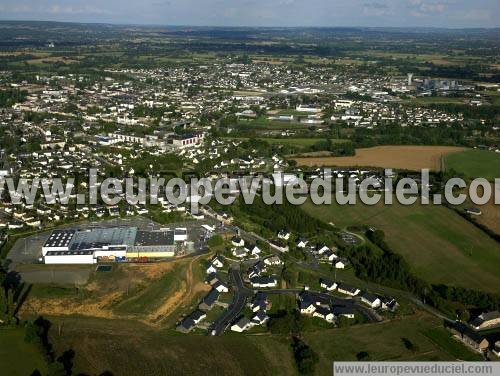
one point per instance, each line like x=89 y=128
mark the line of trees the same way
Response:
x=279 y=217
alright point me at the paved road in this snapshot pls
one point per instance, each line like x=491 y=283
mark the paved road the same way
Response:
x=241 y=295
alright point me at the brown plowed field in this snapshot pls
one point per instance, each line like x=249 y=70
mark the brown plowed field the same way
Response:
x=399 y=157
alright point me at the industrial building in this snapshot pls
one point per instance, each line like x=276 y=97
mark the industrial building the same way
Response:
x=111 y=244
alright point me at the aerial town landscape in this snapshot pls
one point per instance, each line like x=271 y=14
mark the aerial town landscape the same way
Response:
x=96 y=286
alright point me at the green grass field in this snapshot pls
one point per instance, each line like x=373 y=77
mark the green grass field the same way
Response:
x=18 y=357
x=475 y=164
x=128 y=347
x=384 y=342
x=122 y=346
x=439 y=245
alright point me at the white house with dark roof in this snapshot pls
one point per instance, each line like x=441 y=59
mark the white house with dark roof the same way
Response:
x=324 y=313
x=260 y=318
x=242 y=325
x=371 y=300
x=284 y=235
x=340 y=263
x=220 y=287
x=253 y=249
x=237 y=241
x=273 y=260
x=328 y=285
x=301 y=243
x=263 y=281
x=218 y=262
x=346 y=289
x=211 y=269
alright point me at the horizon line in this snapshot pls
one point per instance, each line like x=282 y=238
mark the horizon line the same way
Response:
x=112 y=23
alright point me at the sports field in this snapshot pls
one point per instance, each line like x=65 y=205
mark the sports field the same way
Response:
x=400 y=157
x=439 y=245
x=475 y=164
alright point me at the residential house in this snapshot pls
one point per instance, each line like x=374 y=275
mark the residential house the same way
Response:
x=260 y=302
x=344 y=288
x=212 y=279
x=278 y=245
x=307 y=307
x=237 y=241
x=263 y=281
x=242 y=325
x=260 y=318
x=389 y=304
x=301 y=243
x=218 y=262
x=211 y=269
x=114 y=211
x=257 y=269
x=284 y=235
x=327 y=284
x=320 y=249
x=330 y=256
x=340 y=263
x=342 y=311
x=191 y=321
x=371 y=300
x=209 y=300
x=273 y=261
x=324 y=313
x=252 y=249
x=486 y=320
x=220 y=287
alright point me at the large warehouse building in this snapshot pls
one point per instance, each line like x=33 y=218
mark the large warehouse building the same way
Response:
x=111 y=244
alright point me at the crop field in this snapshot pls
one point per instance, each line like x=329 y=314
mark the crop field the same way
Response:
x=344 y=344
x=439 y=245
x=131 y=348
x=475 y=164
x=400 y=157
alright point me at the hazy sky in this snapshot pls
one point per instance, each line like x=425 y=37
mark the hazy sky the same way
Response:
x=439 y=13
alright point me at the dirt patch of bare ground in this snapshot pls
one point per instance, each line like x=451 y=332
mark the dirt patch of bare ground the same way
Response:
x=98 y=297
